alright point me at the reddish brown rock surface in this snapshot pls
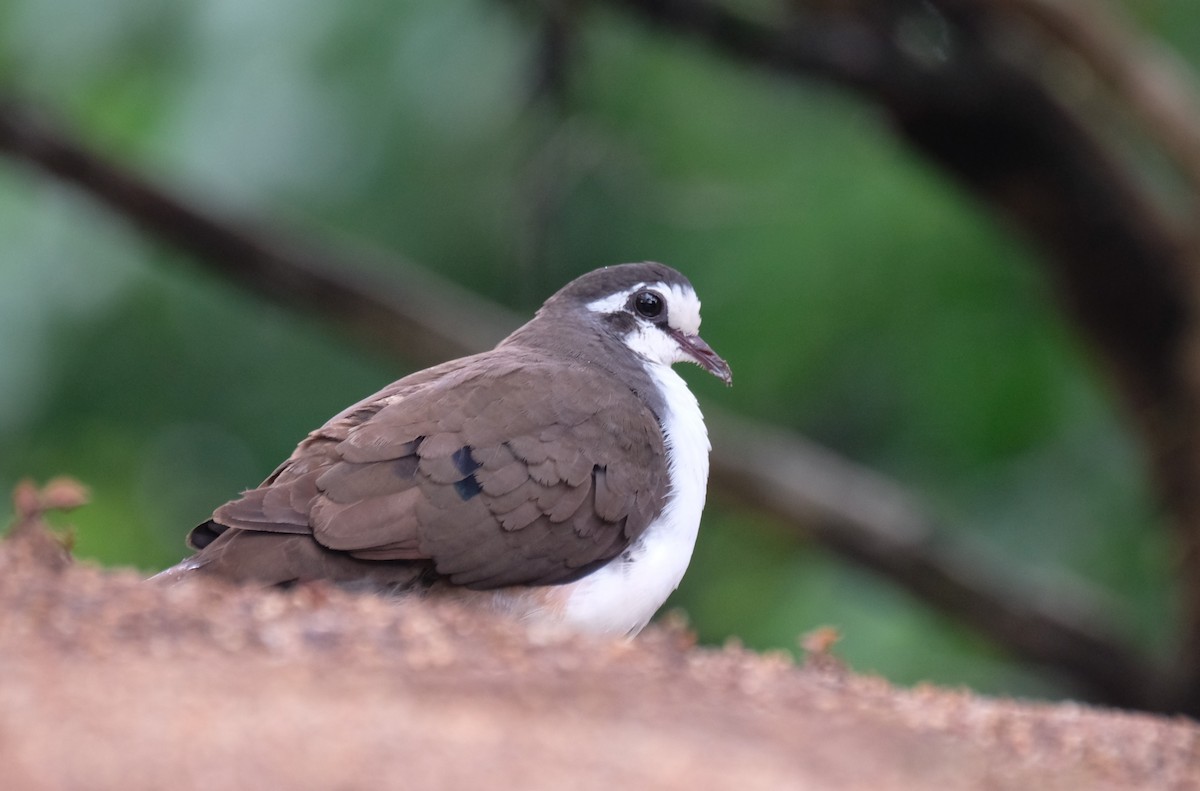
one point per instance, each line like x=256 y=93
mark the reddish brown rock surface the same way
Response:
x=110 y=682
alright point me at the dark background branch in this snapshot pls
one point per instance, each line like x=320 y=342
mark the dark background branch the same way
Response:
x=426 y=317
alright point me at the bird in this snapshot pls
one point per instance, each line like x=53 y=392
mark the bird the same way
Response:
x=559 y=477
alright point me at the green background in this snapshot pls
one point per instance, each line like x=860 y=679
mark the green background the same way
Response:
x=861 y=298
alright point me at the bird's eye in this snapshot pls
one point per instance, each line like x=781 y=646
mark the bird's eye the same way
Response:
x=648 y=304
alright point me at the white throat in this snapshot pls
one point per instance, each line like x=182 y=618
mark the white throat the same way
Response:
x=621 y=597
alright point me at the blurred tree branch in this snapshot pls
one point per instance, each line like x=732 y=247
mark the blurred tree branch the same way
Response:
x=416 y=311
x=854 y=512
x=1146 y=78
x=959 y=80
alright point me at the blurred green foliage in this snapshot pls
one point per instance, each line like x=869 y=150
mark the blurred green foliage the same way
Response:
x=860 y=297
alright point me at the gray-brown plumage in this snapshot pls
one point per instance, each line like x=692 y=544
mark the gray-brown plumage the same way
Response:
x=532 y=464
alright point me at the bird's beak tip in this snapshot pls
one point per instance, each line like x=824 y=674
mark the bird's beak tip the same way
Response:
x=704 y=356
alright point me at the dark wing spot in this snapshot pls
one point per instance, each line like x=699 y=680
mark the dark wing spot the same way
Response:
x=468 y=487
x=464 y=461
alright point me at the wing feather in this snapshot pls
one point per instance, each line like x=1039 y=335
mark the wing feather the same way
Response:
x=376 y=521
x=497 y=470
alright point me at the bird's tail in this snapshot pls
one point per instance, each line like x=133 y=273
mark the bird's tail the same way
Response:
x=180 y=571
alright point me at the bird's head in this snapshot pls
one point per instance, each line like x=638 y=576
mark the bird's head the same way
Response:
x=652 y=308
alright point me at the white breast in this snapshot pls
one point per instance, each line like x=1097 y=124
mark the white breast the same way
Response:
x=620 y=598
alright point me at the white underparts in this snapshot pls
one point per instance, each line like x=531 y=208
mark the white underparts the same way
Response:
x=621 y=597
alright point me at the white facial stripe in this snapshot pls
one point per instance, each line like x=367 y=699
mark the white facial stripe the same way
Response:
x=655 y=345
x=614 y=302
x=683 y=308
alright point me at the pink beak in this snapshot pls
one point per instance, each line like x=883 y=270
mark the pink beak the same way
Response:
x=703 y=355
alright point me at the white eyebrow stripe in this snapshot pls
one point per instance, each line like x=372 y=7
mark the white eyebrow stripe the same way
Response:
x=683 y=306
x=614 y=302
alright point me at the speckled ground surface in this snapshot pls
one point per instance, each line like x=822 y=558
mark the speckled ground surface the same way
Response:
x=109 y=682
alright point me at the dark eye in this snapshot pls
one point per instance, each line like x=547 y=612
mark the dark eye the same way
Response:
x=648 y=304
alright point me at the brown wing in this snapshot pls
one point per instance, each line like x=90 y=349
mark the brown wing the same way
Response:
x=503 y=469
